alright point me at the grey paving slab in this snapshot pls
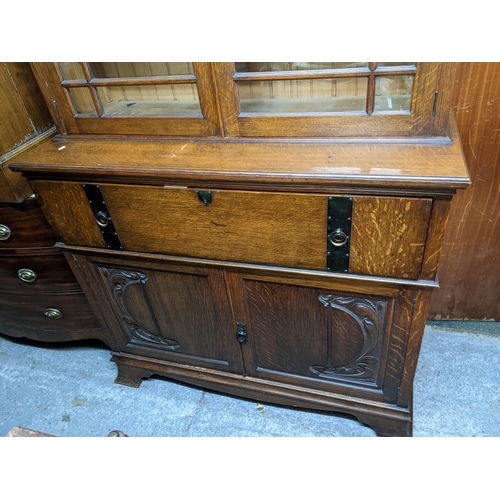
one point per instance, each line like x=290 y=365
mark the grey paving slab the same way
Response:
x=68 y=390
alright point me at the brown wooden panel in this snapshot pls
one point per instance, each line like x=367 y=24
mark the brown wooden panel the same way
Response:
x=317 y=164
x=68 y=211
x=15 y=123
x=14 y=188
x=28 y=225
x=294 y=330
x=22 y=315
x=388 y=235
x=269 y=228
x=177 y=313
x=434 y=244
x=51 y=269
x=27 y=86
x=469 y=269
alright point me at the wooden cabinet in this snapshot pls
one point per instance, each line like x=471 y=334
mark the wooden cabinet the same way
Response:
x=40 y=298
x=273 y=235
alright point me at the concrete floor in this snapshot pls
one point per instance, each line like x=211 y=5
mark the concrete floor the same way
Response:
x=68 y=390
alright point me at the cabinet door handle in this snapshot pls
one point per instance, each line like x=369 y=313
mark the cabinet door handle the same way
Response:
x=5 y=232
x=26 y=275
x=53 y=313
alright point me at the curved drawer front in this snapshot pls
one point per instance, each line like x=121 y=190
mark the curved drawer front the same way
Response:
x=36 y=271
x=278 y=229
x=30 y=315
x=26 y=226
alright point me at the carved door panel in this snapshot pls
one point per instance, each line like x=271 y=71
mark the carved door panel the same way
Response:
x=323 y=338
x=177 y=313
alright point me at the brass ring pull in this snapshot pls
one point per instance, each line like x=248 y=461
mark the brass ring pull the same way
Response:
x=102 y=219
x=338 y=238
x=26 y=275
x=53 y=313
x=4 y=232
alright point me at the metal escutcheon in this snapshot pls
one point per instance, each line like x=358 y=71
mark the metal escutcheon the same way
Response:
x=338 y=238
x=4 y=232
x=26 y=275
x=53 y=313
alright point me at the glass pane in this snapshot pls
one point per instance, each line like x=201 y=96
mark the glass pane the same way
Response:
x=82 y=101
x=245 y=67
x=71 y=71
x=142 y=100
x=137 y=69
x=330 y=95
x=395 y=64
x=393 y=93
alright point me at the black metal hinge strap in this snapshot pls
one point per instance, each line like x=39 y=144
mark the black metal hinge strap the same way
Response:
x=338 y=233
x=102 y=217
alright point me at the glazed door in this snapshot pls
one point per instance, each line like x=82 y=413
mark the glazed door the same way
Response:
x=334 y=99
x=157 y=98
x=323 y=336
x=172 y=312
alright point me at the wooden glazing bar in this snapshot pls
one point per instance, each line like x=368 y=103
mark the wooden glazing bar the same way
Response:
x=395 y=70
x=96 y=101
x=300 y=75
x=146 y=80
x=86 y=71
x=324 y=73
x=370 y=91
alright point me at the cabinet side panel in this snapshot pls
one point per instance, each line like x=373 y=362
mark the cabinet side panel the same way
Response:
x=439 y=219
x=68 y=211
x=388 y=236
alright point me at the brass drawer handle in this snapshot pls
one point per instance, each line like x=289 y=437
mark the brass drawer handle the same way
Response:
x=26 y=275
x=53 y=313
x=338 y=238
x=4 y=232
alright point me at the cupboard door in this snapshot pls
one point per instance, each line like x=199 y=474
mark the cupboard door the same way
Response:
x=330 y=99
x=323 y=338
x=177 y=313
x=169 y=98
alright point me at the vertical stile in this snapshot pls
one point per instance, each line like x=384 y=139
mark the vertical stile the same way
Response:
x=370 y=98
x=93 y=91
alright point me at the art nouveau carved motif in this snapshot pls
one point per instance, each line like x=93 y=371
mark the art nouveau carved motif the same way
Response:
x=369 y=316
x=119 y=280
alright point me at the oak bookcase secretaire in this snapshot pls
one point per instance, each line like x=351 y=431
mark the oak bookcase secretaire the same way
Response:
x=268 y=230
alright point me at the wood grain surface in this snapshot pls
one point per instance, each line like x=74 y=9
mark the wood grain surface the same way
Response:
x=469 y=270
x=333 y=164
x=388 y=235
x=67 y=209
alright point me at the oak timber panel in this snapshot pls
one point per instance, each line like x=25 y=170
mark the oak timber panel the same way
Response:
x=257 y=227
x=67 y=209
x=317 y=334
x=284 y=163
x=469 y=269
x=388 y=235
x=170 y=312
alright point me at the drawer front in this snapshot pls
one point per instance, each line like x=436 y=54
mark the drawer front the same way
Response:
x=32 y=315
x=279 y=229
x=44 y=271
x=24 y=225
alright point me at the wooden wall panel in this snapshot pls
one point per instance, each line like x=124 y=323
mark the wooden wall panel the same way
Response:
x=469 y=270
